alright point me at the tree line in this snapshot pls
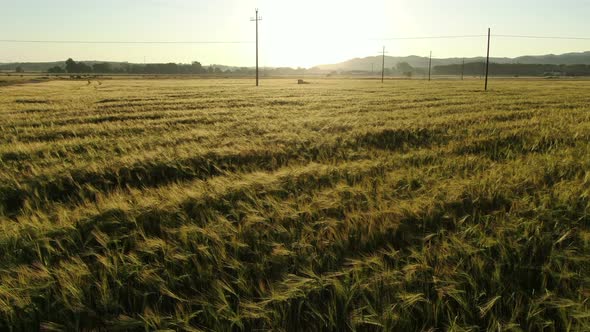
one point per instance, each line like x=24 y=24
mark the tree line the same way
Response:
x=514 y=69
x=73 y=67
x=401 y=69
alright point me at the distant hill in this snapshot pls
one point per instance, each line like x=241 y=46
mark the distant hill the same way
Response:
x=360 y=64
x=581 y=58
x=374 y=62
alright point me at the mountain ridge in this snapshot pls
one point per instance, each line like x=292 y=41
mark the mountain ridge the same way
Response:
x=374 y=62
x=361 y=63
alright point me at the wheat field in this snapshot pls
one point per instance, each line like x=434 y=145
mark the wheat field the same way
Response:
x=342 y=205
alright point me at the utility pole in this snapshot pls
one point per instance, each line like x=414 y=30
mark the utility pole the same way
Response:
x=257 y=19
x=488 y=59
x=463 y=69
x=383 y=66
x=372 y=68
x=429 y=65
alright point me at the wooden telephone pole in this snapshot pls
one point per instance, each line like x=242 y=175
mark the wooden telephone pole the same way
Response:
x=383 y=66
x=429 y=65
x=257 y=19
x=488 y=59
x=463 y=69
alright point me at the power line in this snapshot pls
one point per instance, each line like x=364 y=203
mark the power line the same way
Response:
x=542 y=37
x=480 y=36
x=431 y=37
x=252 y=42
x=119 y=42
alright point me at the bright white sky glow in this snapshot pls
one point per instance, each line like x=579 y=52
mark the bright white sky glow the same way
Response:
x=292 y=33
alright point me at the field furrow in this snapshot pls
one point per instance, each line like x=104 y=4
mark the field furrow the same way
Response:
x=340 y=205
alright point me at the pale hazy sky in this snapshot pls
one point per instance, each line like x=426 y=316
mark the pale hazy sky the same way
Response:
x=292 y=33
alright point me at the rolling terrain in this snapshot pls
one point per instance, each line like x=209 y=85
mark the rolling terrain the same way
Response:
x=210 y=205
x=361 y=64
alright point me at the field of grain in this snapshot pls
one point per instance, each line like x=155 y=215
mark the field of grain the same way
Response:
x=210 y=205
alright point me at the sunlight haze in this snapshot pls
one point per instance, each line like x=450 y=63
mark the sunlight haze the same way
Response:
x=292 y=33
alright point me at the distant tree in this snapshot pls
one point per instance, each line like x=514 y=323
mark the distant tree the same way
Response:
x=19 y=69
x=151 y=68
x=56 y=70
x=404 y=67
x=84 y=68
x=169 y=68
x=71 y=66
x=136 y=69
x=512 y=69
x=102 y=68
x=196 y=67
x=77 y=67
